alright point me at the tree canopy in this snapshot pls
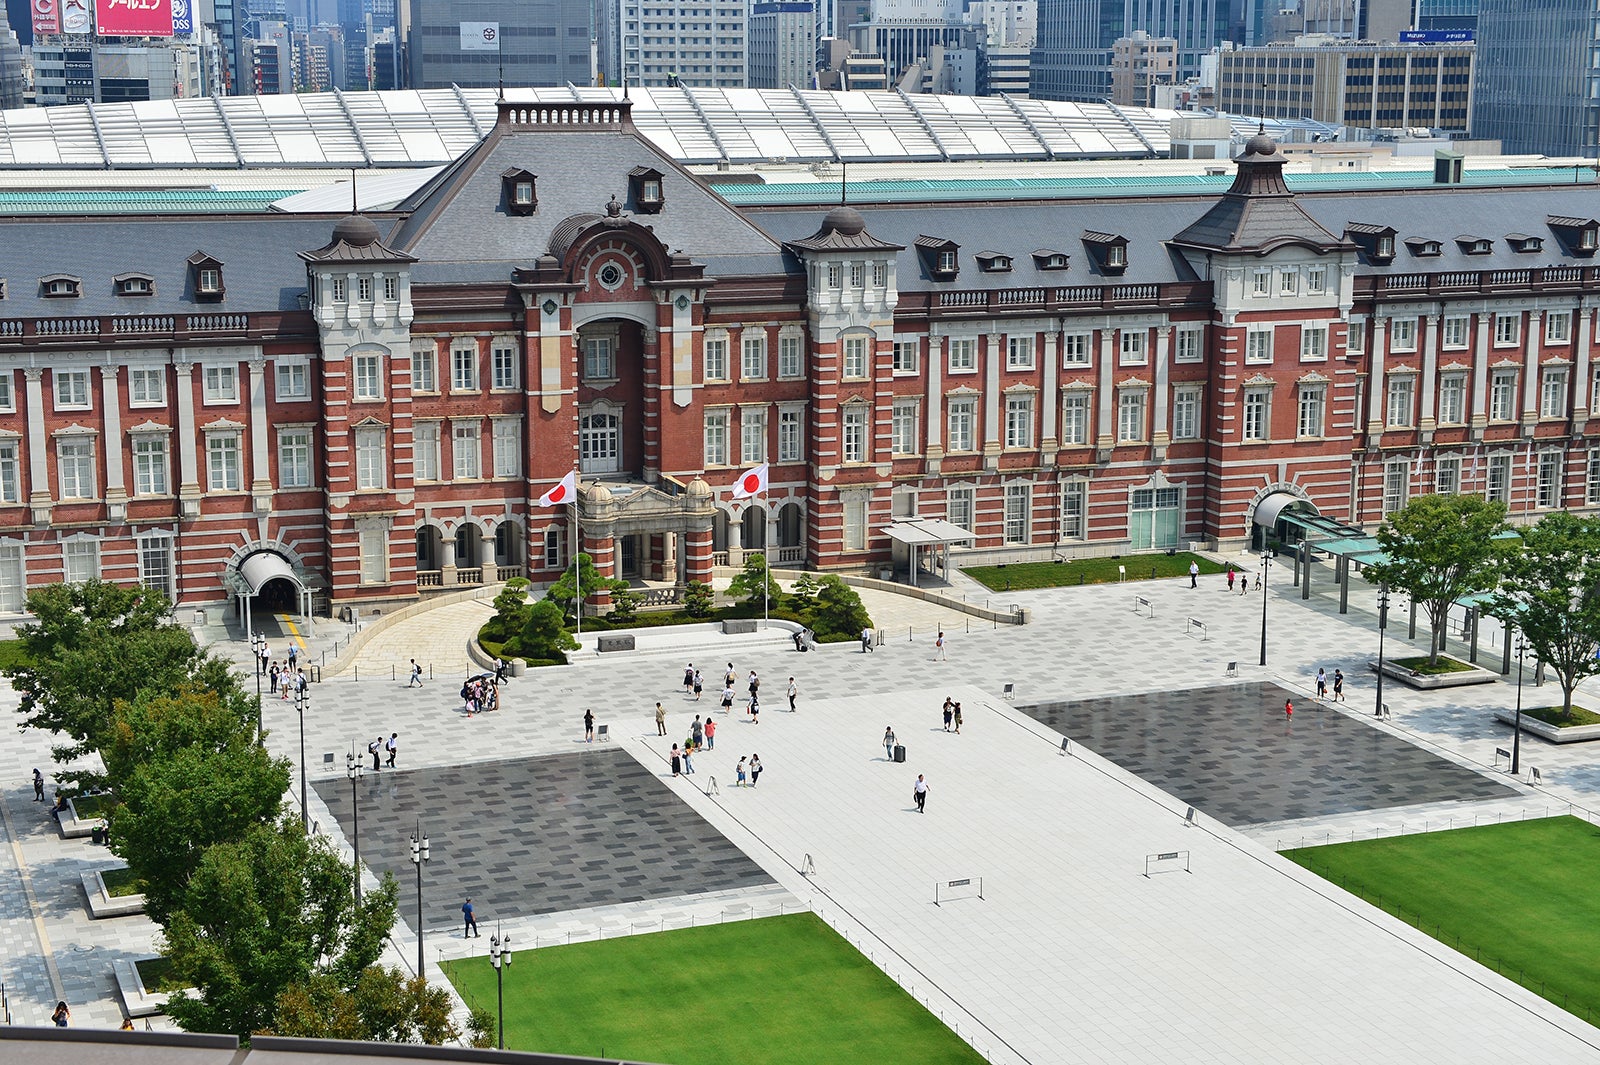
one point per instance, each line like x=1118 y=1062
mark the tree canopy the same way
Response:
x=748 y=583
x=1550 y=592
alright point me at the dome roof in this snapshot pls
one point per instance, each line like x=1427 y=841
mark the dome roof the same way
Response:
x=599 y=493
x=356 y=231
x=846 y=221
x=698 y=487
x=1260 y=144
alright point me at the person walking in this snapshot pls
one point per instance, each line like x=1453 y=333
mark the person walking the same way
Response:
x=1244 y=584
x=661 y=720
x=393 y=747
x=888 y=743
x=698 y=684
x=1288 y=709
x=755 y=769
x=688 y=676
x=711 y=734
x=958 y=718
x=1194 y=574
x=677 y=761
x=919 y=793
x=938 y=648
x=294 y=656
x=697 y=731
x=62 y=1016
x=1338 y=685
x=727 y=699
x=688 y=765
x=1230 y=576
x=754 y=684
x=373 y=748
x=949 y=712
x=738 y=774
x=730 y=677
x=469 y=920
x=1322 y=684
x=38 y=785
x=866 y=639
x=793 y=691
x=416 y=675
x=588 y=725
x=755 y=709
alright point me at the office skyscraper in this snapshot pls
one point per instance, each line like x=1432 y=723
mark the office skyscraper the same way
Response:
x=1072 y=60
x=1534 y=70
x=542 y=42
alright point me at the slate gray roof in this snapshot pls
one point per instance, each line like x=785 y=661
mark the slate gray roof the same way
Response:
x=1258 y=213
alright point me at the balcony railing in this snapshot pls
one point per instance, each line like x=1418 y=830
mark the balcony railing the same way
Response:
x=791 y=554
x=472 y=575
x=719 y=558
x=506 y=573
x=429 y=578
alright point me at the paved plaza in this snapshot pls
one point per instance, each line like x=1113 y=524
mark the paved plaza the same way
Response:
x=1073 y=954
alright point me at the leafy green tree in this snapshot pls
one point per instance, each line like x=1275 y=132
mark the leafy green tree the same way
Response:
x=751 y=581
x=261 y=914
x=1550 y=592
x=838 y=610
x=585 y=579
x=624 y=604
x=804 y=590
x=1440 y=549
x=698 y=599
x=545 y=636
x=94 y=645
x=511 y=608
x=384 y=1006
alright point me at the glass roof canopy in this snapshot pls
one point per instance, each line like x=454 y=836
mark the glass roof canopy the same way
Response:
x=429 y=127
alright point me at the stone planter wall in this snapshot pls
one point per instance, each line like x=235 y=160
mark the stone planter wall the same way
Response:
x=1432 y=682
x=103 y=904
x=1546 y=731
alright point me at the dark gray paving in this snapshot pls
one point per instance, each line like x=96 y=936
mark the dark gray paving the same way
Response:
x=1232 y=752
x=537 y=835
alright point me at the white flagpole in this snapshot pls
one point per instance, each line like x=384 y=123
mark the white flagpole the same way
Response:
x=577 y=562
x=766 y=555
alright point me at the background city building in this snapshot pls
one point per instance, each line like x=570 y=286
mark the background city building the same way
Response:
x=671 y=42
x=1140 y=65
x=540 y=42
x=1537 y=68
x=783 y=44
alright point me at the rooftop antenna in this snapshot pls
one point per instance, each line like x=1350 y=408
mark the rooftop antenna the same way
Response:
x=355 y=204
x=1261 y=120
x=500 y=65
x=624 y=86
x=844 y=183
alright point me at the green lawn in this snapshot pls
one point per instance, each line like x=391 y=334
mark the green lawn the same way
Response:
x=121 y=882
x=1419 y=664
x=1018 y=576
x=1552 y=715
x=775 y=991
x=1518 y=897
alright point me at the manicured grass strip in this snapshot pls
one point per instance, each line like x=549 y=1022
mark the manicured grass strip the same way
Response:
x=1552 y=715
x=1419 y=664
x=156 y=974
x=121 y=882
x=11 y=656
x=1519 y=897
x=1019 y=576
x=775 y=991
x=89 y=806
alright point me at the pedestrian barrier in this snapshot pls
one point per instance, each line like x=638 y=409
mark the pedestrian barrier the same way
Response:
x=1232 y=670
x=954 y=890
x=1066 y=745
x=807 y=866
x=1190 y=624
x=1535 y=779
x=1383 y=711
x=1008 y=691
x=603 y=732
x=1499 y=753
x=711 y=785
x=1189 y=818
x=1141 y=603
x=1166 y=862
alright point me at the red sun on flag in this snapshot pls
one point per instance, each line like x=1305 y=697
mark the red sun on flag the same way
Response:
x=558 y=493
x=750 y=483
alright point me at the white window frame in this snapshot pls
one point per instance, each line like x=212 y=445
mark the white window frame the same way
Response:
x=10 y=471
x=220 y=384
x=1396 y=484
x=1261 y=282
x=1316 y=280
x=391 y=288
x=291 y=378
x=294 y=457
x=1132 y=405
x=1018 y=524
x=1288 y=282
x=1187 y=346
x=1497 y=479
x=1258 y=346
x=715 y=443
x=963 y=356
x=1133 y=347
x=140 y=380
x=1453 y=399
x=1255 y=424
x=714 y=357
x=907 y=355
x=1313 y=343
x=1553 y=392
x=1447 y=475
x=1557 y=327
x=599 y=358
x=374 y=546
x=791 y=435
x=903 y=427
x=364 y=288
x=8 y=393
x=752 y=435
x=425 y=368
x=960 y=506
x=366 y=373
x=1076 y=411
x=1020 y=411
x=855 y=522
x=791 y=355
x=1402 y=334
x=425 y=450
x=155 y=562
x=1312 y=411
x=1457 y=332
x=80 y=560
x=225 y=461
x=854 y=360
x=1355 y=338
x=152 y=464
x=1400 y=401
x=961 y=425
x=1020 y=351
x=853 y=429
x=753 y=355
x=466 y=450
x=1550 y=473
x=506 y=447
x=1592 y=492
x=464 y=367
x=371 y=459
x=505 y=370
x=1186 y=412
x=1507 y=329
x=71 y=389
x=1503 y=395
x=1077 y=349
x=1075 y=510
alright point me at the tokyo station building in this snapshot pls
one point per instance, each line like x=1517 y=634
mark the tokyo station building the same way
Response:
x=330 y=411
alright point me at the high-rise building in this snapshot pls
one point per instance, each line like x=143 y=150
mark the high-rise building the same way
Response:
x=1535 y=68
x=1072 y=60
x=1139 y=64
x=540 y=42
x=271 y=60
x=77 y=70
x=13 y=84
x=1447 y=15
x=783 y=44
x=673 y=42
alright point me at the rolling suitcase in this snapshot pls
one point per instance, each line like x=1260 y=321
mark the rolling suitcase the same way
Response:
x=899 y=753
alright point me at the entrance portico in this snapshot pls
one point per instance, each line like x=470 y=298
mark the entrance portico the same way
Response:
x=659 y=532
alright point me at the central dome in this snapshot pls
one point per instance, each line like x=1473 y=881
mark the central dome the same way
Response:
x=846 y=221
x=1260 y=144
x=356 y=231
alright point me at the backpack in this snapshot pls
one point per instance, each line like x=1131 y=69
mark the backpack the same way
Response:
x=465 y=694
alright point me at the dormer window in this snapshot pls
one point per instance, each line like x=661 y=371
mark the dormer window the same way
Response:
x=60 y=287
x=1579 y=236
x=134 y=285
x=991 y=262
x=940 y=257
x=1521 y=242
x=520 y=190
x=1586 y=240
x=1385 y=248
x=1108 y=250
x=2 y=288
x=1044 y=259
x=1424 y=249
x=1475 y=245
x=206 y=277
x=946 y=262
x=645 y=183
x=1377 y=241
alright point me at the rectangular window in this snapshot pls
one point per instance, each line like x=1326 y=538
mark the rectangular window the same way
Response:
x=1455 y=332
x=1313 y=405
x=855 y=523
x=1313 y=343
x=372 y=468
x=1557 y=327
x=1261 y=283
x=294 y=458
x=1446 y=475
x=1553 y=393
x=464 y=369
x=854 y=434
x=1497 y=482
x=1400 y=405
x=716 y=444
x=1130 y=415
x=1257 y=404
x=1019 y=421
x=855 y=356
x=503 y=367
x=958 y=507
x=222 y=384
x=880 y=274
x=367 y=383
x=554 y=555
x=339 y=295
x=904 y=426
x=155 y=563
x=423 y=370
x=507 y=443
x=8 y=396
x=466 y=451
x=1075 y=349
x=1503 y=396
x=858 y=275
x=149 y=466
x=425 y=451
x=1187 y=345
x=1131 y=347
x=1019 y=352
x=1258 y=346
x=146 y=387
x=374 y=557
x=963 y=354
x=80 y=560
x=1288 y=282
x=222 y=462
x=293 y=378
x=598 y=361
x=1075 y=510
x=906 y=355
x=752 y=436
x=1019 y=500
x=753 y=356
x=72 y=389
x=789 y=427
x=1396 y=483
x=1355 y=339
x=1549 y=488
x=391 y=288
x=1075 y=418
x=1593 y=492
x=1186 y=413
x=835 y=274
x=10 y=484
x=790 y=363
x=963 y=413
x=1507 y=330
x=716 y=358
x=1452 y=399
x=364 y=289
x=1316 y=281
x=1403 y=334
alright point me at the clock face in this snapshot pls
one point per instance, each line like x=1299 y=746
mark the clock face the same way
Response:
x=610 y=276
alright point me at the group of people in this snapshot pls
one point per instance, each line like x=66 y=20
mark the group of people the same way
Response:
x=380 y=746
x=693 y=684
x=952 y=716
x=1240 y=576
x=283 y=678
x=480 y=695
x=1338 y=685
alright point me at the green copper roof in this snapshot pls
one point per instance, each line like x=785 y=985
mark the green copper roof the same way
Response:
x=139 y=201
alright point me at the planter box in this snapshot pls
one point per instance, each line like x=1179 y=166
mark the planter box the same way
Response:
x=1546 y=731
x=136 y=1001
x=738 y=625
x=614 y=642
x=73 y=827
x=104 y=904
x=1430 y=682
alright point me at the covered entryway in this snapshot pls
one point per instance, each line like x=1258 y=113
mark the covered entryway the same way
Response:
x=913 y=534
x=263 y=578
x=1272 y=524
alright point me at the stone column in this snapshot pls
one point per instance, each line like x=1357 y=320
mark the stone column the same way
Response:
x=935 y=427
x=697 y=555
x=1583 y=385
x=1480 y=376
x=189 y=491
x=992 y=398
x=491 y=572
x=736 y=541
x=1050 y=401
x=1376 y=415
x=39 y=494
x=260 y=466
x=115 y=448
x=1160 y=437
x=1530 y=362
x=602 y=548
x=1430 y=373
x=1105 y=429
x=447 y=559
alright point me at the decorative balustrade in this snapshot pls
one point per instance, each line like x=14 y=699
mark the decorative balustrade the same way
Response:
x=660 y=597
x=719 y=558
x=506 y=573
x=429 y=578
x=791 y=554
x=470 y=575
x=218 y=323
x=154 y=323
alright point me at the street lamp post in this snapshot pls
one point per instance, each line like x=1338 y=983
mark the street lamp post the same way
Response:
x=1383 y=623
x=302 y=699
x=500 y=958
x=1516 y=737
x=355 y=770
x=419 y=858
x=257 y=643
x=1266 y=564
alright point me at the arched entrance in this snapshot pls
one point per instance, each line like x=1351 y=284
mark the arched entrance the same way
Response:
x=265 y=579
x=1269 y=526
x=753 y=528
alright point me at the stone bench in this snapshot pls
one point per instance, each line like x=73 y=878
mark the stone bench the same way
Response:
x=735 y=626
x=103 y=904
x=620 y=641
x=136 y=1000
x=71 y=826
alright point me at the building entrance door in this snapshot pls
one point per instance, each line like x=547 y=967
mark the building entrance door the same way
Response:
x=599 y=443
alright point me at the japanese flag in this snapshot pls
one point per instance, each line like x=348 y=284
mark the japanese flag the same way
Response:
x=751 y=482
x=563 y=492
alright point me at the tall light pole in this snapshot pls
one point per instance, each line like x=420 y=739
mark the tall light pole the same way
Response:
x=419 y=858
x=1516 y=738
x=302 y=699
x=500 y=958
x=355 y=770
x=1266 y=564
x=257 y=643
x=1383 y=623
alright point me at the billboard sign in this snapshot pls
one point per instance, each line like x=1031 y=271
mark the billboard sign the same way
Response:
x=1435 y=36
x=133 y=18
x=182 y=17
x=46 y=17
x=74 y=16
x=480 y=36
